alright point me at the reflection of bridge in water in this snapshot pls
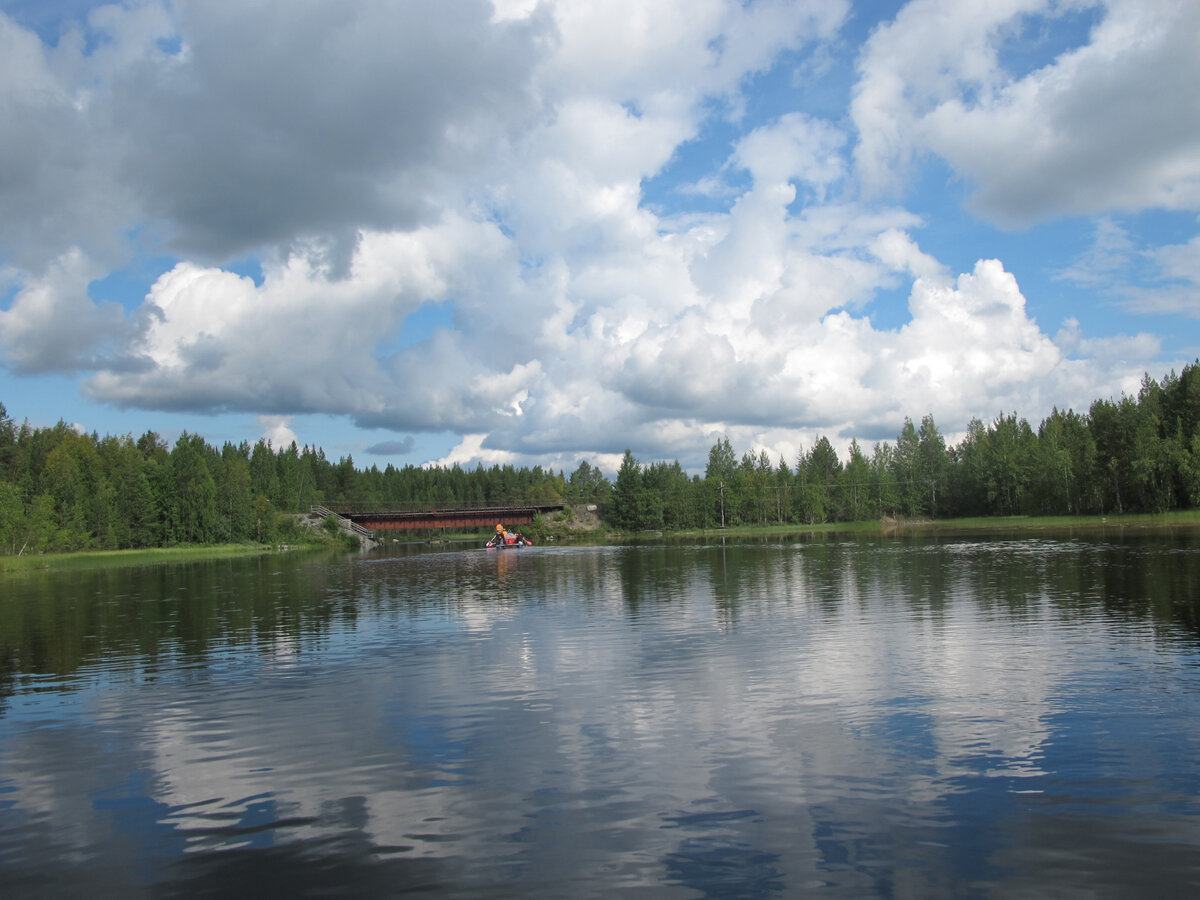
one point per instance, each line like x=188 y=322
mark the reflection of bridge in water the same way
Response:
x=364 y=520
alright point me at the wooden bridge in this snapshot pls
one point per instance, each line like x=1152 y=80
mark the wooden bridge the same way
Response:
x=368 y=521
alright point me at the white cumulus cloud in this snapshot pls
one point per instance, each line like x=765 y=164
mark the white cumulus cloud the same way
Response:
x=375 y=161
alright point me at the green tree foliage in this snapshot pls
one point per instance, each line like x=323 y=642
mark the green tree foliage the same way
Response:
x=819 y=498
x=722 y=461
x=966 y=493
x=63 y=490
x=624 y=509
x=933 y=467
x=721 y=481
x=884 y=488
x=854 y=483
x=8 y=447
x=783 y=483
x=235 y=515
x=1008 y=464
x=905 y=470
x=69 y=479
x=135 y=513
x=666 y=501
x=196 y=520
x=14 y=525
x=588 y=485
x=264 y=476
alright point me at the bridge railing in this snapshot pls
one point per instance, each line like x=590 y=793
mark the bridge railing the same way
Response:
x=325 y=512
x=343 y=507
x=457 y=517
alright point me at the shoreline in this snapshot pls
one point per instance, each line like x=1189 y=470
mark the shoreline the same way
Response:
x=151 y=556
x=890 y=526
x=1019 y=525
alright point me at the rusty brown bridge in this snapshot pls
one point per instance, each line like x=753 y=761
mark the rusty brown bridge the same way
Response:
x=367 y=521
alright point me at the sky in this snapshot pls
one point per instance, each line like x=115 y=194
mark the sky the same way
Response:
x=541 y=232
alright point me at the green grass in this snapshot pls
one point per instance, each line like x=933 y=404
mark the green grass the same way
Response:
x=1179 y=519
x=1021 y=524
x=115 y=559
x=778 y=529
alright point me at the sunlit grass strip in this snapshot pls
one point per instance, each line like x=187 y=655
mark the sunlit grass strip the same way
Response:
x=1178 y=519
x=782 y=529
x=115 y=559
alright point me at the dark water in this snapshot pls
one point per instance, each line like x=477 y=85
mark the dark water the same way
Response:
x=871 y=718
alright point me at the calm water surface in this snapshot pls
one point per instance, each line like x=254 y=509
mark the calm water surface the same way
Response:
x=865 y=718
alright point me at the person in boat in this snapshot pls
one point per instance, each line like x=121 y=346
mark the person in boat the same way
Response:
x=500 y=538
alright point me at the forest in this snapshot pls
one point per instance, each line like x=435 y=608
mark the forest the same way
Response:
x=61 y=490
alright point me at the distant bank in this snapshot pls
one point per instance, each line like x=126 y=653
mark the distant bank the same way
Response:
x=591 y=529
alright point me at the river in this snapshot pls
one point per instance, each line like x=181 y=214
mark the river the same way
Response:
x=827 y=717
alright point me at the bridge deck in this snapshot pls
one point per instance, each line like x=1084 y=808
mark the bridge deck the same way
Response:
x=479 y=517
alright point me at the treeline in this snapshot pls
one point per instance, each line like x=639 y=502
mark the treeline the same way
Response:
x=62 y=490
x=1137 y=454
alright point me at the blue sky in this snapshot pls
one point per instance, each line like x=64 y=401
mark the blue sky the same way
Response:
x=540 y=233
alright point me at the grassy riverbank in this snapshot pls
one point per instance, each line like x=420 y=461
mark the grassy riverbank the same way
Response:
x=1017 y=525
x=1022 y=524
x=597 y=533
x=116 y=559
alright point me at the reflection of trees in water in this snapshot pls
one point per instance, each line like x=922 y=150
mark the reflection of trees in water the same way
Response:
x=1150 y=576
x=651 y=574
x=9 y=666
x=57 y=623
x=346 y=866
x=54 y=624
x=718 y=868
x=1137 y=578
